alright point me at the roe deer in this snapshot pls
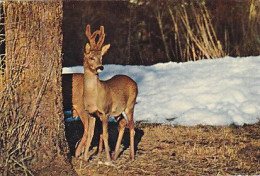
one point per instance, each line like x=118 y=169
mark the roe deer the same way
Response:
x=103 y=99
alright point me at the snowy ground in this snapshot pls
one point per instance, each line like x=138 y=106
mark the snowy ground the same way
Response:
x=210 y=92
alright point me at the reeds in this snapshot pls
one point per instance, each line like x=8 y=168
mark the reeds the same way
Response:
x=194 y=35
x=251 y=29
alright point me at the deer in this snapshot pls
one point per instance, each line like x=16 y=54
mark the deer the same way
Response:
x=102 y=99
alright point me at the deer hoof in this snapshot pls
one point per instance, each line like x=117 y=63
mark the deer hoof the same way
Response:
x=132 y=158
x=109 y=163
x=77 y=154
x=114 y=157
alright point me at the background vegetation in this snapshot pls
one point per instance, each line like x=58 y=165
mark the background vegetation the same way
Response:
x=151 y=31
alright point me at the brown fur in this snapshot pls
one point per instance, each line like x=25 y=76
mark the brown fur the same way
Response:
x=102 y=98
x=78 y=108
x=77 y=93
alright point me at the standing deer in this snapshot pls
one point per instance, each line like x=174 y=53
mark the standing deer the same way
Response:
x=102 y=99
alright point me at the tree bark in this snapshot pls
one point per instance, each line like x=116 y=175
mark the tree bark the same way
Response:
x=32 y=138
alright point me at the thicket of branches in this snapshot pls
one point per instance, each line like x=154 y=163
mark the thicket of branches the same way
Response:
x=151 y=31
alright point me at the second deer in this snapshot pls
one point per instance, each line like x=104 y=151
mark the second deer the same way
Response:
x=103 y=99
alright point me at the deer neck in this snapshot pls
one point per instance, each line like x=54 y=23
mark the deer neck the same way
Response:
x=90 y=93
x=91 y=81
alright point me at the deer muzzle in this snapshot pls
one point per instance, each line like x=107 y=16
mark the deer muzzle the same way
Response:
x=100 y=69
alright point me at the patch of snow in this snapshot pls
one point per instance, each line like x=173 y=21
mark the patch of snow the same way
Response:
x=222 y=91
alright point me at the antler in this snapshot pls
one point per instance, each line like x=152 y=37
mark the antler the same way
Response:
x=92 y=37
x=101 y=37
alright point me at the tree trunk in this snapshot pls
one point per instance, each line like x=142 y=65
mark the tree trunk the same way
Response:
x=32 y=138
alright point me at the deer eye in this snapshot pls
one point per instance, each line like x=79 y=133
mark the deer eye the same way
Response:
x=92 y=58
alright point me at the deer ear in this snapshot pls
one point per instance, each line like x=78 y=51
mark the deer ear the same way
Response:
x=87 y=48
x=104 y=49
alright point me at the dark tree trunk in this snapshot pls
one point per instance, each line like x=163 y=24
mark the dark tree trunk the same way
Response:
x=32 y=138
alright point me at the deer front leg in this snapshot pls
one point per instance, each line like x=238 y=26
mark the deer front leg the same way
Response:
x=105 y=138
x=84 y=119
x=91 y=130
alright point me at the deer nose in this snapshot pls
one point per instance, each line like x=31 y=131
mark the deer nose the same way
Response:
x=100 y=69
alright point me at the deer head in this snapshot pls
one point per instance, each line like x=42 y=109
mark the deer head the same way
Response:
x=94 y=51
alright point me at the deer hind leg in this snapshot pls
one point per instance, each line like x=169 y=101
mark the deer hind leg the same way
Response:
x=129 y=113
x=100 y=145
x=121 y=130
x=91 y=129
x=84 y=119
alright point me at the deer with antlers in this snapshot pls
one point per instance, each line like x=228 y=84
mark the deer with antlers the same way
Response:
x=102 y=99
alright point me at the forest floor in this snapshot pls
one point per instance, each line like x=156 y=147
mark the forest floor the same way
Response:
x=181 y=150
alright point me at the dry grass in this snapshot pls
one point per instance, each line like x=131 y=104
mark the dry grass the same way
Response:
x=200 y=150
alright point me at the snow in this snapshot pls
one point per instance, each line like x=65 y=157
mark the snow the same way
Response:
x=216 y=92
